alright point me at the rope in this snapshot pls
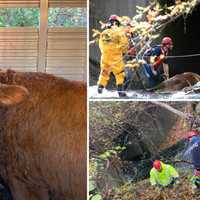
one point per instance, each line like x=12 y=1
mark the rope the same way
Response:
x=185 y=56
x=179 y=56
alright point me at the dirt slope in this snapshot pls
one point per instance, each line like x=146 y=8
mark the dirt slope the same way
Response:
x=143 y=191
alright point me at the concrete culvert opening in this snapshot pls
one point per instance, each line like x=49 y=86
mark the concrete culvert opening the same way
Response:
x=143 y=131
x=136 y=149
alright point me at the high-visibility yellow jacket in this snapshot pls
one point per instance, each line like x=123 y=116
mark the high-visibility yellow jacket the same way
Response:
x=164 y=177
x=113 y=43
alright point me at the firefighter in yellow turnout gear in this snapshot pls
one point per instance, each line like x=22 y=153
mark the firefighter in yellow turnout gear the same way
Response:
x=113 y=43
x=162 y=175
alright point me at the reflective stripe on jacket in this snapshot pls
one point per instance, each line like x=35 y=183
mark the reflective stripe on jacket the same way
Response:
x=195 y=180
x=164 y=177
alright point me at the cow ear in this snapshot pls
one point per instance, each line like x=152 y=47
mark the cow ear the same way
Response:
x=12 y=94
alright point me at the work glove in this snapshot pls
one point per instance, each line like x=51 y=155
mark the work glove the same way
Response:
x=141 y=62
x=162 y=57
x=175 y=181
x=176 y=184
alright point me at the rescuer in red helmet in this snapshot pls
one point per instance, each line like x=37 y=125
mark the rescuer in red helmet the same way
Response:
x=114 y=20
x=162 y=175
x=154 y=57
x=193 y=151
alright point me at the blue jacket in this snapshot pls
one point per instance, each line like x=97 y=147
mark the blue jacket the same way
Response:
x=194 y=150
x=155 y=51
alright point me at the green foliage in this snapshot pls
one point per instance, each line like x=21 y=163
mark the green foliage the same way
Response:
x=12 y=17
x=29 y=17
x=97 y=197
x=91 y=188
x=93 y=167
x=67 y=17
x=148 y=23
x=107 y=154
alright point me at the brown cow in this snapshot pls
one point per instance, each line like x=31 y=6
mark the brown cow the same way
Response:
x=178 y=82
x=43 y=136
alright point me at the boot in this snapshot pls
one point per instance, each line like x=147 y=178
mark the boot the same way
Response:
x=121 y=91
x=126 y=83
x=100 y=89
x=128 y=77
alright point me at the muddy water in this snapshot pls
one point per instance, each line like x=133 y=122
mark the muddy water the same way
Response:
x=143 y=95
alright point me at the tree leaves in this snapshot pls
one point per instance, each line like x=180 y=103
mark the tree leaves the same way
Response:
x=29 y=17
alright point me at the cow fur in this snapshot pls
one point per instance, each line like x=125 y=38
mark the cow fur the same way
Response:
x=43 y=137
x=178 y=82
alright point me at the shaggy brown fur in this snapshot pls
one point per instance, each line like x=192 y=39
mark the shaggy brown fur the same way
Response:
x=43 y=137
x=178 y=82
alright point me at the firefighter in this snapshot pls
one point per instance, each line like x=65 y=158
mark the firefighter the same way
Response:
x=194 y=150
x=113 y=44
x=153 y=58
x=162 y=175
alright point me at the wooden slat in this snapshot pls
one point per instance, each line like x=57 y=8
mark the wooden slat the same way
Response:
x=18 y=45
x=67 y=3
x=65 y=65
x=18 y=48
x=17 y=59
x=18 y=30
x=66 y=53
x=19 y=37
x=61 y=37
x=67 y=30
x=67 y=33
x=23 y=69
x=65 y=71
x=19 y=63
x=68 y=44
x=15 y=54
x=43 y=35
x=59 y=65
x=13 y=51
x=19 y=3
x=71 y=76
x=36 y=3
x=77 y=59
x=60 y=72
x=18 y=34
